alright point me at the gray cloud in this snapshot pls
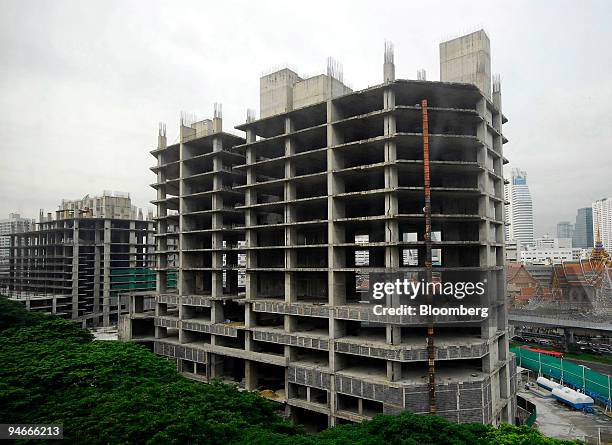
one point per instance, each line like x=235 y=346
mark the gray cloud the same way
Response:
x=83 y=84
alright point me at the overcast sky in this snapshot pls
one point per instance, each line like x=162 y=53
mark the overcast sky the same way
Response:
x=83 y=84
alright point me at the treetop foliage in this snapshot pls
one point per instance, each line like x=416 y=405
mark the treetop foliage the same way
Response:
x=108 y=392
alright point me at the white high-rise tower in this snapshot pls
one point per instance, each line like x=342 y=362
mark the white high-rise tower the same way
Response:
x=602 y=221
x=519 y=214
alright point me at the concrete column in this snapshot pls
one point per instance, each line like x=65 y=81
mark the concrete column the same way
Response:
x=392 y=235
x=75 y=269
x=97 y=273
x=392 y=258
x=217 y=222
x=335 y=210
x=161 y=243
x=497 y=101
x=483 y=185
x=249 y=316
x=291 y=355
x=216 y=312
x=216 y=366
x=389 y=65
x=184 y=287
x=485 y=235
x=106 y=273
x=133 y=242
x=158 y=313
x=335 y=235
x=568 y=338
x=290 y=231
x=217 y=124
x=290 y=323
x=248 y=341
x=250 y=220
x=250 y=375
x=183 y=335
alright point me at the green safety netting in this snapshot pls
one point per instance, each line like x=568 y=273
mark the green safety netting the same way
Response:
x=593 y=383
x=137 y=278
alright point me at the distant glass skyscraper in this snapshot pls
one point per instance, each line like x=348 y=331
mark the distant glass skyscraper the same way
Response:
x=565 y=229
x=519 y=214
x=583 y=229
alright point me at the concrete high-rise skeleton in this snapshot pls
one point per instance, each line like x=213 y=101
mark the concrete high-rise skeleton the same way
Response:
x=326 y=189
x=13 y=224
x=117 y=205
x=76 y=263
x=519 y=216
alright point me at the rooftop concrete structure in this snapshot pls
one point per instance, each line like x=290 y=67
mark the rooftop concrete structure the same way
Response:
x=467 y=59
x=325 y=190
x=282 y=91
x=117 y=205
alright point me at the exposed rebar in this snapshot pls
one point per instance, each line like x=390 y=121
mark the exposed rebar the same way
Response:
x=389 y=51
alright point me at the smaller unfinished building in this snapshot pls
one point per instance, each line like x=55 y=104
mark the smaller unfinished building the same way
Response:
x=77 y=263
x=328 y=187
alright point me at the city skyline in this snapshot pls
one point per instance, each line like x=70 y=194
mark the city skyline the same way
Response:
x=98 y=137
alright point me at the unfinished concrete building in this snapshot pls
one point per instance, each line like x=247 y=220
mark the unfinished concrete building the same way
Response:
x=330 y=185
x=13 y=224
x=117 y=205
x=196 y=192
x=76 y=265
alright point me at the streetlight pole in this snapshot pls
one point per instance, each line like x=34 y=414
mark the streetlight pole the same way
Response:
x=583 y=377
x=540 y=364
x=609 y=395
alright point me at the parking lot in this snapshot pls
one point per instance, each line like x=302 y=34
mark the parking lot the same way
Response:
x=561 y=422
x=597 y=345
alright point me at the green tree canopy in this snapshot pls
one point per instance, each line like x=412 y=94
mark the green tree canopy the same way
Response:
x=104 y=392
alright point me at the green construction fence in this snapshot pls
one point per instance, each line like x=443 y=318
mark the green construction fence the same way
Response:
x=593 y=383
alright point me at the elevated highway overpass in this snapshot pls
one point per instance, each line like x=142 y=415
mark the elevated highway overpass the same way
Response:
x=527 y=318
